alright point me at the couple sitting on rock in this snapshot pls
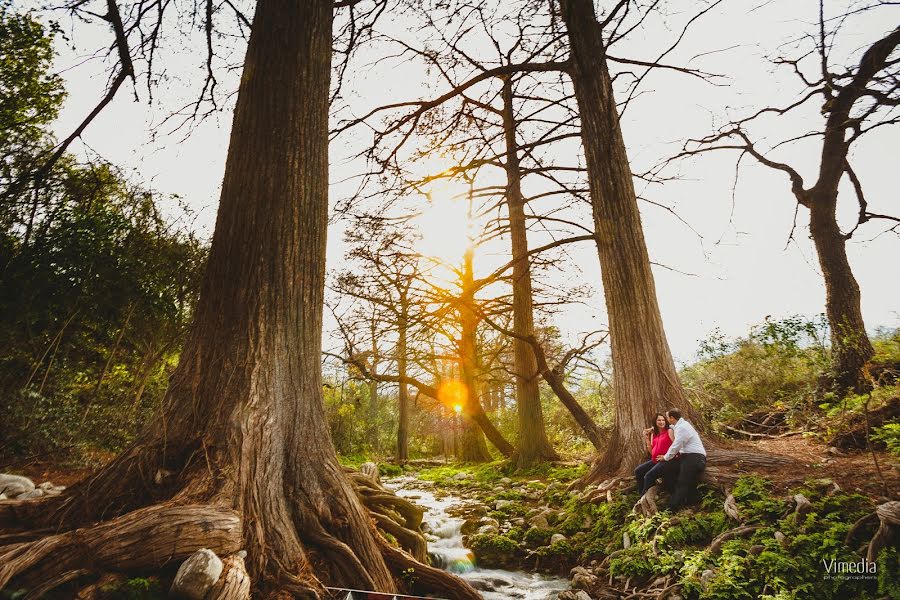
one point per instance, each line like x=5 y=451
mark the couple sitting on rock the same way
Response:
x=677 y=456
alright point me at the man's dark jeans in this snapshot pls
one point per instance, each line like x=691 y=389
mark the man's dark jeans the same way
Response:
x=691 y=466
x=647 y=473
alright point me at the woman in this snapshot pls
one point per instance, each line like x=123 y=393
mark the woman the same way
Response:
x=657 y=439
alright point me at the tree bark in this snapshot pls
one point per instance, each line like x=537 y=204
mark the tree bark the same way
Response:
x=373 y=390
x=533 y=445
x=850 y=345
x=243 y=425
x=471 y=407
x=645 y=380
x=403 y=394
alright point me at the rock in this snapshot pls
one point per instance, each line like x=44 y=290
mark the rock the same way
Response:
x=835 y=451
x=519 y=522
x=489 y=528
x=574 y=595
x=35 y=493
x=14 y=485
x=502 y=504
x=557 y=537
x=196 y=575
x=626 y=541
x=4 y=497
x=705 y=577
x=505 y=481
x=539 y=521
x=659 y=582
x=460 y=476
x=582 y=579
x=52 y=490
x=781 y=539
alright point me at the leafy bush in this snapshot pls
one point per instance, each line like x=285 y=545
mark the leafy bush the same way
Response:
x=889 y=435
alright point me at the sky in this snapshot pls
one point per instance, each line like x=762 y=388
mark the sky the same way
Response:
x=732 y=267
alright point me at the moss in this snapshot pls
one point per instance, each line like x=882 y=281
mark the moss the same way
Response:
x=493 y=543
x=137 y=588
x=636 y=561
x=389 y=470
x=535 y=537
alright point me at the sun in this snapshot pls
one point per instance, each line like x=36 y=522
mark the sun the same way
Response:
x=444 y=223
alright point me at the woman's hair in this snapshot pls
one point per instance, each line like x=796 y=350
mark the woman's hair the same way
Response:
x=655 y=427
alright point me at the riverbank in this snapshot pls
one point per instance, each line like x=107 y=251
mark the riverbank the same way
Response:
x=774 y=540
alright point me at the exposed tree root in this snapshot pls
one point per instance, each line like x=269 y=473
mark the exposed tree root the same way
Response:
x=889 y=515
x=716 y=545
x=51 y=584
x=148 y=538
x=427 y=580
x=234 y=583
x=394 y=515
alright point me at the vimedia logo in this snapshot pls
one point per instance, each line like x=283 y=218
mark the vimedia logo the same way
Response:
x=843 y=568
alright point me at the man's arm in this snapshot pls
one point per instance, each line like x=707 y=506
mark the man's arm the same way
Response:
x=677 y=443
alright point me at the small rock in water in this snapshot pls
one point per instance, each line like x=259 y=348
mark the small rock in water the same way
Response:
x=196 y=575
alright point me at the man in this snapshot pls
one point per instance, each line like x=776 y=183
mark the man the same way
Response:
x=692 y=458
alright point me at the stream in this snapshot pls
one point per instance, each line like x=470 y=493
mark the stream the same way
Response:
x=446 y=549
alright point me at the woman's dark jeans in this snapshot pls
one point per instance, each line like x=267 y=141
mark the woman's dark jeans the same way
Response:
x=647 y=473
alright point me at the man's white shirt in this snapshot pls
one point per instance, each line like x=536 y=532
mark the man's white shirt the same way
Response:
x=687 y=440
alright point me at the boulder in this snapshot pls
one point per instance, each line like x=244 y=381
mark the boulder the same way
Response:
x=14 y=485
x=557 y=537
x=583 y=579
x=539 y=521
x=196 y=575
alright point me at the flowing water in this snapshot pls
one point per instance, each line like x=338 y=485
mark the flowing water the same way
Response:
x=447 y=551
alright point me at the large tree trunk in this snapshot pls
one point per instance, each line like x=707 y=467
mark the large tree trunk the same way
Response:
x=533 y=445
x=372 y=432
x=468 y=348
x=403 y=394
x=850 y=345
x=645 y=380
x=243 y=429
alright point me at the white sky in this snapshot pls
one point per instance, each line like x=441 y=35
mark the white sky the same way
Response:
x=741 y=269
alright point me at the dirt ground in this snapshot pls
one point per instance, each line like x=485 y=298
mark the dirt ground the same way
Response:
x=852 y=470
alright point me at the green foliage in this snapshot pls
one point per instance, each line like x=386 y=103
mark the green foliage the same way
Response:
x=97 y=287
x=535 y=537
x=635 y=561
x=889 y=435
x=488 y=543
x=389 y=470
x=31 y=97
x=756 y=566
x=135 y=589
x=776 y=365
